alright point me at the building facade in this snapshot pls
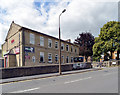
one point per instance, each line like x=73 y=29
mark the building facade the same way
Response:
x=27 y=47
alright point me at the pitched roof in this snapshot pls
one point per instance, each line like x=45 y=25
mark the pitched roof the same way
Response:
x=24 y=28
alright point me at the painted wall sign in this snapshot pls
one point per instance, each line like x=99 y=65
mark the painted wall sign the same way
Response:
x=12 y=41
x=29 y=49
x=17 y=50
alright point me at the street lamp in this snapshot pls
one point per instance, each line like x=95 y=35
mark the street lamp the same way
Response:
x=60 y=44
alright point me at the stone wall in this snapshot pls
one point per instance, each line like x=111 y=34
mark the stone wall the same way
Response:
x=27 y=71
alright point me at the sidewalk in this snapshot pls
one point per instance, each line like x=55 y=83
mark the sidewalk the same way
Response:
x=44 y=75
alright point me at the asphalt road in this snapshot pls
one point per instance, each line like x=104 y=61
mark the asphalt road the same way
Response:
x=102 y=81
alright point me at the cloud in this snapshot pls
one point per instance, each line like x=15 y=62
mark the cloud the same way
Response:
x=43 y=15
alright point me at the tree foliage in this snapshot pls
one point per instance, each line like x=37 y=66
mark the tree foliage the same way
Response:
x=85 y=41
x=108 y=40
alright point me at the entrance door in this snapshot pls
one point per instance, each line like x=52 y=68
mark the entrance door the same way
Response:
x=5 y=62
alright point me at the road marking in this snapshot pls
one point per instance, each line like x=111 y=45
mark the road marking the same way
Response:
x=77 y=80
x=109 y=74
x=25 y=90
x=47 y=77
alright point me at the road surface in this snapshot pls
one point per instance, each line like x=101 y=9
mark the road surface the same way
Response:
x=102 y=81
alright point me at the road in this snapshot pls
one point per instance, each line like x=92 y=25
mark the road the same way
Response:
x=102 y=81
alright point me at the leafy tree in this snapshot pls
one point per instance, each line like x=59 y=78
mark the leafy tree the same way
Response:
x=85 y=42
x=108 y=40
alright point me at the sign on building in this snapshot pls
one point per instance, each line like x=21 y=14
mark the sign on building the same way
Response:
x=29 y=49
x=17 y=51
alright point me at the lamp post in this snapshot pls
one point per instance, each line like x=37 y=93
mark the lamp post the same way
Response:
x=60 y=44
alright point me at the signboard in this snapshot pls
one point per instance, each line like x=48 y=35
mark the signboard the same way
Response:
x=12 y=41
x=17 y=50
x=29 y=49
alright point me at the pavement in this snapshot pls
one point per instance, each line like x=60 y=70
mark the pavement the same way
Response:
x=17 y=79
x=98 y=81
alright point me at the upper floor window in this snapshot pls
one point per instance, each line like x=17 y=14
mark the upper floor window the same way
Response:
x=41 y=41
x=62 y=46
x=49 y=43
x=32 y=38
x=75 y=50
x=56 y=44
x=67 y=47
x=71 y=48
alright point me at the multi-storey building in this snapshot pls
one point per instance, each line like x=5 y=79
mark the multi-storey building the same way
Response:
x=27 y=47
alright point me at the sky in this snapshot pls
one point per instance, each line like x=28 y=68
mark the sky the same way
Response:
x=43 y=16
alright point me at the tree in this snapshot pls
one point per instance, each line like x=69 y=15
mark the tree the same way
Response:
x=85 y=42
x=108 y=40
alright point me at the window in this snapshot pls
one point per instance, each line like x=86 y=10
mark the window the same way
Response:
x=71 y=48
x=67 y=47
x=56 y=45
x=49 y=43
x=33 y=59
x=32 y=38
x=49 y=57
x=62 y=59
x=56 y=58
x=41 y=56
x=71 y=59
x=41 y=41
x=67 y=59
x=75 y=50
x=62 y=46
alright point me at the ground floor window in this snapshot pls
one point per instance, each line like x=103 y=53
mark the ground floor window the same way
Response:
x=67 y=59
x=71 y=59
x=56 y=58
x=33 y=59
x=62 y=59
x=49 y=57
x=41 y=56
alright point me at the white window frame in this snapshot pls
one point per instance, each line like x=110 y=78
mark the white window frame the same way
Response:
x=66 y=47
x=41 y=41
x=75 y=50
x=56 y=55
x=72 y=48
x=42 y=54
x=56 y=44
x=50 y=58
x=72 y=59
x=63 y=58
x=33 y=59
x=32 y=38
x=68 y=59
x=49 y=41
x=62 y=45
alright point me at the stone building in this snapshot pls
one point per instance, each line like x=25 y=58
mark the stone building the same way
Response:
x=27 y=47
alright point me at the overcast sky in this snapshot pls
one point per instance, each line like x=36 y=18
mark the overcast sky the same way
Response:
x=42 y=15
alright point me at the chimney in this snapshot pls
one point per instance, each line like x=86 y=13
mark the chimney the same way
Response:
x=68 y=40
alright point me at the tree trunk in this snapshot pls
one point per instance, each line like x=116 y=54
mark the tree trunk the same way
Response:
x=118 y=55
x=111 y=54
